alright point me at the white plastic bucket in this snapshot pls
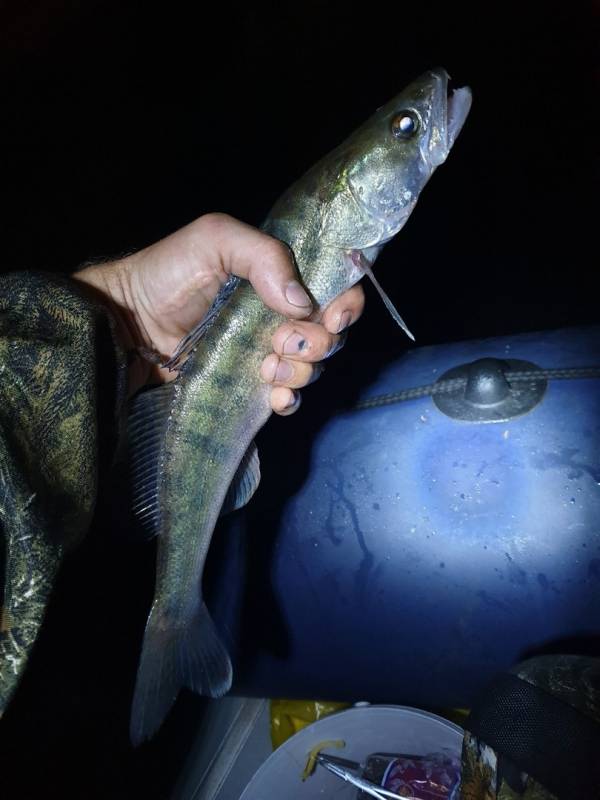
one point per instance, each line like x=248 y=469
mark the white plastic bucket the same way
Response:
x=365 y=730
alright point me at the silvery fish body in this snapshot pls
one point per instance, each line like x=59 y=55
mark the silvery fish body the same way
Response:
x=201 y=428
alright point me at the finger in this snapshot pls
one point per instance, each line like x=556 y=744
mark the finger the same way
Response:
x=293 y=374
x=305 y=341
x=344 y=310
x=263 y=260
x=285 y=401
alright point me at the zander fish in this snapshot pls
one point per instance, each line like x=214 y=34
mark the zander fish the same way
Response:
x=194 y=453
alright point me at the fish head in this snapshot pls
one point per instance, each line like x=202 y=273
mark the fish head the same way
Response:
x=390 y=158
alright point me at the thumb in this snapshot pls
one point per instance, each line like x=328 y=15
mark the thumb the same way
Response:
x=263 y=260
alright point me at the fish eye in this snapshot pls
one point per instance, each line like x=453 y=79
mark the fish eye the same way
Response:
x=405 y=124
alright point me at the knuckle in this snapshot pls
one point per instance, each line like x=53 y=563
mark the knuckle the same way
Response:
x=275 y=251
x=215 y=221
x=268 y=367
x=283 y=332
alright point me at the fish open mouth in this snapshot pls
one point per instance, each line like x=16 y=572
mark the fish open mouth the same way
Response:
x=452 y=106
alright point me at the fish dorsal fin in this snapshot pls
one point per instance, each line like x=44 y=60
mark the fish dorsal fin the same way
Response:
x=189 y=342
x=245 y=481
x=146 y=424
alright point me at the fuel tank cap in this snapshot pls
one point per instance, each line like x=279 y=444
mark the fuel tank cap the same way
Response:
x=490 y=390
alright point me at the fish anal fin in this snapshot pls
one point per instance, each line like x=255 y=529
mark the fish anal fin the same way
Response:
x=146 y=425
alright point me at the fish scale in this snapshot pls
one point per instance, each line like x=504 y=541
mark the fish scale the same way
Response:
x=335 y=219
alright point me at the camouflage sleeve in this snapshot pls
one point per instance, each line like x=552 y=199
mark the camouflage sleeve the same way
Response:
x=62 y=379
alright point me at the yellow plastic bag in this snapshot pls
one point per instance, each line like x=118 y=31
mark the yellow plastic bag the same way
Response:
x=290 y=716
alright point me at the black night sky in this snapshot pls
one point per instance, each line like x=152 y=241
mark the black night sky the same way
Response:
x=122 y=121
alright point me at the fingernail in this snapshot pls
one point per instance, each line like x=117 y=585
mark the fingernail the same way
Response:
x=283 y=372
x=295 y=343
x=296 y=295
x=345 y=320
x=338 y=345
x=318 y=370
x=294 y=400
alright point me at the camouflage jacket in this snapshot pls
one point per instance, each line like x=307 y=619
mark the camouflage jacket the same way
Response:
x=62 y=380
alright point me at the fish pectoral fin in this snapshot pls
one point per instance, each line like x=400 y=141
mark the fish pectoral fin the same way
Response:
x=366 y=268
x=245 y=481
x=173 y=657
x=146 y=424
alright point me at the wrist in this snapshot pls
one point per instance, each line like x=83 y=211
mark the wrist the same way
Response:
x=110 y=285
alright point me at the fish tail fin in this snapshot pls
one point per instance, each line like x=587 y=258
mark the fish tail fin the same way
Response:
x=173 y=657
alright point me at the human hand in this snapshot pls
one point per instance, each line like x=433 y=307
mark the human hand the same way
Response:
x=160 y=293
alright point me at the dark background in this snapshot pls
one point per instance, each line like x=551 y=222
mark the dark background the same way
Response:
x=122 y=122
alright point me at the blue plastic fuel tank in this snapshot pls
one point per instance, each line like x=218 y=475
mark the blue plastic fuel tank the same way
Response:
x=420 y=554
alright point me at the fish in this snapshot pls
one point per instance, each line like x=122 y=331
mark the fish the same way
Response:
x=193 y=454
